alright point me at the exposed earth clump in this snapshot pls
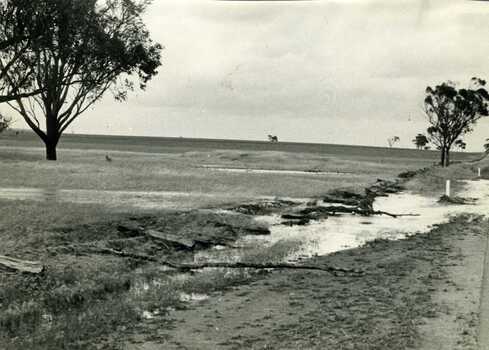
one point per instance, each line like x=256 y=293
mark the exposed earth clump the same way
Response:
x=166 y=234
x=456 y=200
x=264 y=207
x=343 y=201
x=409 y=174
x=343 y=197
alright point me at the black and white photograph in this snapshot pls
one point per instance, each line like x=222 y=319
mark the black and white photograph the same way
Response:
x=244 y=175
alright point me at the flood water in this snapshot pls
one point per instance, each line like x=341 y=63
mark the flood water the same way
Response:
x=349 y=231
x=278 y=171
x=317 y=238
x=148 y=200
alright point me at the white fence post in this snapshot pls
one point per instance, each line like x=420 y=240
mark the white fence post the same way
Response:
x=447 y=188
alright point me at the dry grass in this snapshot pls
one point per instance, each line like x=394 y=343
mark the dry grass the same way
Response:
x=180 y=169
x=432 y=182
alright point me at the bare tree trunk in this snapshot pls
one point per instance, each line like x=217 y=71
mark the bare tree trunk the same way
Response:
x=52 y=137
x=442 y=153
x=447 y=156
x=51 y=150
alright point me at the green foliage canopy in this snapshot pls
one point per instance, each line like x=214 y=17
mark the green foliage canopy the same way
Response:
x=453 y=112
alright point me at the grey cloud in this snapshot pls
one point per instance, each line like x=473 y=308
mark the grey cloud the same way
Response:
x=332 y=62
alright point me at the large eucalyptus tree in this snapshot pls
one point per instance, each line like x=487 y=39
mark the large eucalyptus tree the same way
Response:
x=453 y=112
x=87 y=48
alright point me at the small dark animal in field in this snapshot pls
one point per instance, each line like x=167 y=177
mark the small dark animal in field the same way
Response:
x=107 y=158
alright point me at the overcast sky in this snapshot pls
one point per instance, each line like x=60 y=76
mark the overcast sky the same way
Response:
x=329 y=71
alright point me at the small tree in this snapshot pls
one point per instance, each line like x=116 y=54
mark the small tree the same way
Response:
x=272 y=138
x=486 y=146
x=452 y=113
x=420 y=141
x=87 y=48
x=392 y=140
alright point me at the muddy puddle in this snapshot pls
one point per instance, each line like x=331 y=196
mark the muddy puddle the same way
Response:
x=349 y=231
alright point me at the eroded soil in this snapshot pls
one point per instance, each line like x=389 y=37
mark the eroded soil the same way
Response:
x=398 y=304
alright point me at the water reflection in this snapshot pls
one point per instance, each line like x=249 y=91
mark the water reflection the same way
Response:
x=279 y=171
x=349 y=231
x=135 y=199
x=318 y=238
